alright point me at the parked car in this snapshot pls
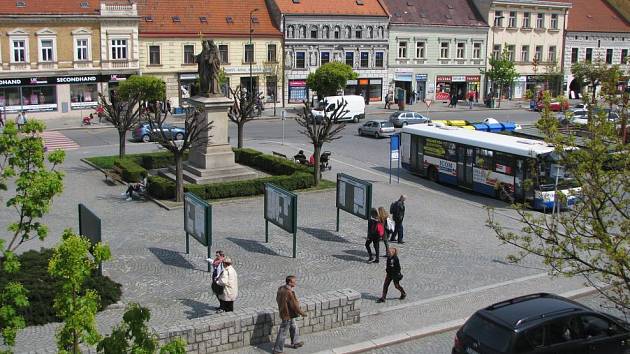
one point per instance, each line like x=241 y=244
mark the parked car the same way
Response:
x=541 y=323
x=554 y=105
x=580 y=116
x=143 y=132
x=377 y=128
x=402 y=118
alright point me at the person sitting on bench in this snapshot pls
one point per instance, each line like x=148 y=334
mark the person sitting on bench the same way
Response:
x=139 y=187
x=300 y=157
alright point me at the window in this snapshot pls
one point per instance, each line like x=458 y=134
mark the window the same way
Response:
x=300 y=60
x=551 y=55
x=496 y=51
x=484 y=159
x=379 y=59
x=337 y=32
x=154 y=55
x=512 y=19
x=223 y=53
x=324 y=57
x=609 y=55
x=574 y=55
x=589 y=55
x=624 y=56
x=477 y=50
x=595 y=326
x=119 y=49
x=249 y=53
x=358 y=33
x=540 y=21
x=526 y=20
x=554 y=21
x=19 y=51
x=326 y=32
x=271 y=53
x=82 y=51
x=539 y=53
x=498 y=18
x=402 y=49
x=189 y=54
x=504 y=163
x=461 y=50
x=511 y=51
x=313 y=33
x=444 y=50
x=420 y=49
x=350 y=58
x=46 y=48
x=365 y=59
x=525 y=53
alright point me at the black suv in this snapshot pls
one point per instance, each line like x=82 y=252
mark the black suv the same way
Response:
x=542 y=323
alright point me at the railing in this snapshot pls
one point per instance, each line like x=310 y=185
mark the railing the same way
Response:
x=120 y=64
x=118 y=9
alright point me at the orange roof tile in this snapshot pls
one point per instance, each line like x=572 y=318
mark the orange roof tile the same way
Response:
x=49 y=7
x=330 y=7
x=595 y=16
x=156 y=18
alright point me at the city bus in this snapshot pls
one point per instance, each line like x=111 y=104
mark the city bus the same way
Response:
x=492 y=164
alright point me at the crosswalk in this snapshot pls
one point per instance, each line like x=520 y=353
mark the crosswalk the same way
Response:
x=54 y=140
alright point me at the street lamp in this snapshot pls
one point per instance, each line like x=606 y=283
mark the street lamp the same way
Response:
x=251 y=58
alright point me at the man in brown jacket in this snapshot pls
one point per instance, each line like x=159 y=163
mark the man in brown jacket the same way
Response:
x=289 y=308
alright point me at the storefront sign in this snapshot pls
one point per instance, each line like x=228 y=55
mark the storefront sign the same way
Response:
x=403 y=76
x=473 y=78
x=191 y=76
x=363 y=81
x=421 y=77
x=458 y=78
x=11 y=82
x=245 y=70
x=54 y=80
x=443 y=78
x=31 y=108
x=298 y=83
x=81 y=105
x=76 y=79
x=375 y=81
x=351 y=82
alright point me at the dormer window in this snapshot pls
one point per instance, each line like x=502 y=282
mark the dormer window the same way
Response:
x=84 y=5
x=229 y=19
x=176 y=19
x=20 y=4
x=203 y=19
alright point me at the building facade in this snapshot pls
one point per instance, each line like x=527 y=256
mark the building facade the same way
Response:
x=56 y=58
x=595 y=32
x=317 y=32
x=532 y=31
x=170 y=39
x=436 y=49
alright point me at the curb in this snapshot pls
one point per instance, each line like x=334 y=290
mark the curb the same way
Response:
x=427 y=331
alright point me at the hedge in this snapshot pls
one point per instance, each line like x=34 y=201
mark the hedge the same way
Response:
x=161 y=188
x=157 y=160
x=42 y=287
x=130 y=171
x=257 y=186
x=268 y=163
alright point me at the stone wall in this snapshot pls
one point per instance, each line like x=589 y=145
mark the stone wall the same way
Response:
x=251 y=326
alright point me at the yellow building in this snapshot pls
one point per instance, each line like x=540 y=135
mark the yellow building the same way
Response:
x=56 y=57
x=170 y=38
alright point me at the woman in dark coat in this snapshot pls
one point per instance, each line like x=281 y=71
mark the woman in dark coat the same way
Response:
x=392 y=274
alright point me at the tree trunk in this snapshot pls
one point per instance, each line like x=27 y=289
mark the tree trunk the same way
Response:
x=500 y=94
x=240 y=126
x=179 y=177
x=121 y=143
x=75 y=334
x=317 y=173
x=593 y=98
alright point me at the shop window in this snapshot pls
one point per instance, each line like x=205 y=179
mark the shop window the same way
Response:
x=379 y=59
x=540 y=21
x=525 y=53
x=350 y=58
x=477 y=50
x=609 y=56
x=19 y=51
x=300 y=60
x=461 y=50
x=575 y=52
x=402 y=49
x=82 y=49
x=118 y=49
x=420 y=50
x=10 y=96
x=46 y=47
x=526 y=20
x=83 y=95
x=154 y=55
x=324 y=57
x=39 y=95
x=554 y=21
x=224 y=54
x=249 y=53
x=376 y=91
x=271 y=53
x=189 y=54
x=444 y=50
x=365 y=61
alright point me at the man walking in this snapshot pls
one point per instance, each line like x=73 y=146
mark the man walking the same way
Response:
x=397 y=210
x=289 y=308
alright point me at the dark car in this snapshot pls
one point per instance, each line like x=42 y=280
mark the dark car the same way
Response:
x=143 y=132
x=402 y=118
x=542 y=323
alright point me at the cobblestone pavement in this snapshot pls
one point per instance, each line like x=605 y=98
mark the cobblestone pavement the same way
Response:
x=448 y=249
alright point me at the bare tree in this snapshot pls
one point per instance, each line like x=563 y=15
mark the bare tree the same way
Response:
x=123 y=115
x=194 y=136
x=243 y=110
x=321 y=129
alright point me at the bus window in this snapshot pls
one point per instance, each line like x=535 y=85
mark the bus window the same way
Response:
x=504 y=163
x=484 y=159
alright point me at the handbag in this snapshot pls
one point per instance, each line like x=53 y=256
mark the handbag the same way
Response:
x=397 y=277
x=217 y=289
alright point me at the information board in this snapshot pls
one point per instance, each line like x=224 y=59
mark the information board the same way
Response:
x=281 y=208
x=197 y=219
x=354 y=195
x=90 y=227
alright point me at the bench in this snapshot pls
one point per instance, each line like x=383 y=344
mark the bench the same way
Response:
x=114 y=174
x=275 y=153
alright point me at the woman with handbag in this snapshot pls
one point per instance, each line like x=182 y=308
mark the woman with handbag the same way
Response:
x=388 y=224
x=217 y=270
x=374 y=235
x=392 y=273
x=229 y=281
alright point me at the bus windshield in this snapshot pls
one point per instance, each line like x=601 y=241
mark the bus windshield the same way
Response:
x=550 y=172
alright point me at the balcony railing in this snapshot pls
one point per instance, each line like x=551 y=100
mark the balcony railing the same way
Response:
x=119 y=10
x=121 y=64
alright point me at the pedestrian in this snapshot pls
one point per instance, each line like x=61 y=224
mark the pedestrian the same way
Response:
x=387 y=101
x=397 y=209
x=1 y=120
x=471 y=99
x=374 y=234
x=217 y=271
x=99 y=112
x=289 y=308
x=385 y=219
x=20 y=120
x=168 y=106
x=476 y=96
x=392 y=273
x=454 y=100
x=229 y=281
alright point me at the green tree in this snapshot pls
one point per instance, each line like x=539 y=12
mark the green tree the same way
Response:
x=502 y=72
x=126 y=106
x=72 y=262
x=34 y=181
x=329 y=78
x=593 y=237
x=590 y=73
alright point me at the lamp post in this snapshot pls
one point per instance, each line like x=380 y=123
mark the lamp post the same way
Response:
x=251 y=59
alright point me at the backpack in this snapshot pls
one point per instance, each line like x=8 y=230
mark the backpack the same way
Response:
x=393 y=208
x=377 y=229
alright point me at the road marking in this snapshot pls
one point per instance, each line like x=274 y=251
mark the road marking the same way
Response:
x=54 y=140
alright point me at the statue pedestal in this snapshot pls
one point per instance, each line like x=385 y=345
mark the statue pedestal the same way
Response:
x=214 y=162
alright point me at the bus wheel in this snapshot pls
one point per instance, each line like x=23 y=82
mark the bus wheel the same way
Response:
x=433 y=174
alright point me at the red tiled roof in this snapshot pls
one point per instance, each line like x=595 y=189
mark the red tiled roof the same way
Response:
x=49 y=7
x=332 y=7
x=595 y=16
x=434 y=12
x=217 y=13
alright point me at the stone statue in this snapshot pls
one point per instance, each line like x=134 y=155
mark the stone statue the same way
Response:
x=209 y=65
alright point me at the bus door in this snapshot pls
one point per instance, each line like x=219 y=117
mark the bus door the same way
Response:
x=417 y=154
x=519 y=180
x=465 y=166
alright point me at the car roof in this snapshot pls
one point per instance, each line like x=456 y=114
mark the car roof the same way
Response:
x=379 y=120
x=530 y=310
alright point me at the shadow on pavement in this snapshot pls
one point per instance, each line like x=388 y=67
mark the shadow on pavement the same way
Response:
x=170 y=257
x=349 y=258
x=324 y=235
x=368 y=296
x=253 y=246
x=197 y=309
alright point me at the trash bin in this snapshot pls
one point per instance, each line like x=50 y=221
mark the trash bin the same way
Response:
x=481 y=127
x=495 y=127
x=509 y=126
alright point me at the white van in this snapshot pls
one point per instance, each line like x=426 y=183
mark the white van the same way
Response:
x=355 y=107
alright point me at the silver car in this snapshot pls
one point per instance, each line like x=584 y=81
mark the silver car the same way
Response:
x=377 y=128
x=402 y=118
